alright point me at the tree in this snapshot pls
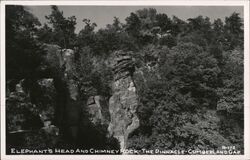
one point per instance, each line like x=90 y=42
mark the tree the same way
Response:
x=188 y=75
x=218 y=33
x=231 y=97
x=86 y=36
x=147 y=26
x=178 y=26
x=45 y=34
x=199 y=23
x=133 y=25
x=23 y=52
x=233 y=24
x=218 y=25
x=113 y=37
x=63 y=29
x=201 y=26
x=233 y=31
x=147 y=17
x=24 y=58
x=164 y=22
x=175 y=97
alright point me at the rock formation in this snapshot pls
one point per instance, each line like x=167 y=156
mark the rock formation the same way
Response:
x=71 y=109
x=61 y=64
x=47 y=88
x=60 y=110
x=124 y=101
x=31 y=113
x=62 y=60
x=98 y=111
x=68 y=67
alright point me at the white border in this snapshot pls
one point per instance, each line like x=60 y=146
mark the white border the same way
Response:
x=134 y=3
x=244 y=3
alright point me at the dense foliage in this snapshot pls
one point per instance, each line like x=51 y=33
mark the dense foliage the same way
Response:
x=189 y=74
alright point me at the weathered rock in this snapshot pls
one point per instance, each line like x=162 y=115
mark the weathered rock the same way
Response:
x=68 y=68
x=98 y=111
x=123 y=65
x=53 y=58
x=17 y=102
x=47 y=104
x=18 y=94
x=51 y=130
x=63 y=61
x=62 y=64
x=19 y=87
x=23 y=114
x=46 y=82
x=67 y=59
x=124 y=101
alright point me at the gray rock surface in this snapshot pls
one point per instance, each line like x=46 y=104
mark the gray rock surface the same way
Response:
x=27 y=115
x=63 y=61
x=124 y=101
x=98 y=110
x=67 y=64
x=47 y=113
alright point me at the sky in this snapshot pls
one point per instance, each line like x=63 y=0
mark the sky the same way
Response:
x=103 y=15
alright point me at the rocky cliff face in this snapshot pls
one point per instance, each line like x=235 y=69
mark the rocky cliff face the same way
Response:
x=98 y=110
x=119 y=114
x=68 y=107
x=124 y=101
x=30 y=115
x=31 y=112
x=61 y=112
x=62 y=60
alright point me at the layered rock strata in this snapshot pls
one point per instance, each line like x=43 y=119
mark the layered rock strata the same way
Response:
x=124 y=101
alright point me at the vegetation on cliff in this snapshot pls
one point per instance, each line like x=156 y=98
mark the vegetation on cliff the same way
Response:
x=188 y=74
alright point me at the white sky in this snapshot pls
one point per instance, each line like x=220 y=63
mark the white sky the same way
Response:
x=103 y=15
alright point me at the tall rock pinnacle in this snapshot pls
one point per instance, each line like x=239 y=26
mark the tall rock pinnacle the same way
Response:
x=124 y=101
